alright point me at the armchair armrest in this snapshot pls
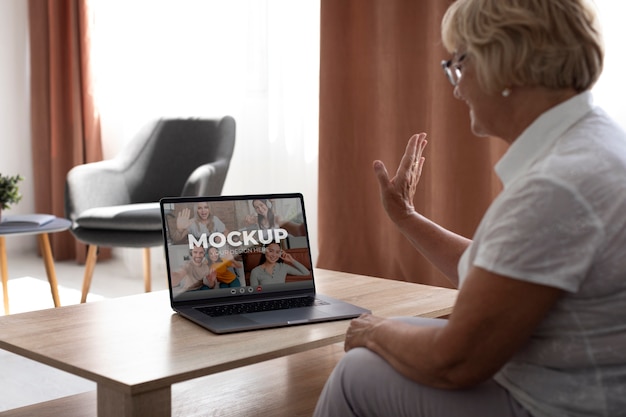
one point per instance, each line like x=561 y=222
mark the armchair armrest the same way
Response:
x=207 y=179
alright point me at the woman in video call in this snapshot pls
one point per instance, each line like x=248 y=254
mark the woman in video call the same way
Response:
x=222 y=267
x=203 y=221
x=267 y=218
x=274 y=267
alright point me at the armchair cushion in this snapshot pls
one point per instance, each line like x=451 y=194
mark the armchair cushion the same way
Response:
x=138 y=217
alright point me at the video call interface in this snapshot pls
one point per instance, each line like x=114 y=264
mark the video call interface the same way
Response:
x=236 y=248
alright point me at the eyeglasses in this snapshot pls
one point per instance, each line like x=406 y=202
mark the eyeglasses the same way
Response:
x=453 y=69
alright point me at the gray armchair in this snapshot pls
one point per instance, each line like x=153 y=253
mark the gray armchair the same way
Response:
x=114 y=203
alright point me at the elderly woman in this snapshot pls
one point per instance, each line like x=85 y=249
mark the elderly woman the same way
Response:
x=539 y=326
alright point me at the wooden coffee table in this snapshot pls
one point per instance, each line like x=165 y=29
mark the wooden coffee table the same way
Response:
x=135 y=348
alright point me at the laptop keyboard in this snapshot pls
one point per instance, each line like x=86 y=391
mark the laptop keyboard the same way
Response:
x=264 y=305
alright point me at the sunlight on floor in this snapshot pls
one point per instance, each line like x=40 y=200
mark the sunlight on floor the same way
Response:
x=30 y=294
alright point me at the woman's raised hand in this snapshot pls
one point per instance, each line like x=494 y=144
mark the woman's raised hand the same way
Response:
x=397 y=193
x=182 y=220
x=250 y=219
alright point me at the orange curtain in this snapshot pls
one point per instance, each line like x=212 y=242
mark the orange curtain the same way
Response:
x=64 y=121
x=380 y=82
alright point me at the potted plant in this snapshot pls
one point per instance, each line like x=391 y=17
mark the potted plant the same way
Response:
x=9 y=191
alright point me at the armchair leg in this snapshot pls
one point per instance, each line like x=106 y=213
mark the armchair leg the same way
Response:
x=90 y=264
x=147 y=278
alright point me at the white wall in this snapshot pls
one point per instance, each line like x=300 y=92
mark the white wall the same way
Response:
x=15 y=148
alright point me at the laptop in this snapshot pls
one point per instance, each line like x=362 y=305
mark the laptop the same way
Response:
x=238 y=263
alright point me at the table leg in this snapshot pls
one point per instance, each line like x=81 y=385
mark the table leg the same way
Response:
x=113 y=403
x=46 y=252
x=5 y=274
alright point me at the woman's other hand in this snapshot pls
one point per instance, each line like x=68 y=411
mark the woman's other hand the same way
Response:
x=286 y=257
x=398 y=192
x=359 y=331
x=211 y=278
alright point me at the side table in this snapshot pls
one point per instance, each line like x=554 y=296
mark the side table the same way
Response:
x=56 y=225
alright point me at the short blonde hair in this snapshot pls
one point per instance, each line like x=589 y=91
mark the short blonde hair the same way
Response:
x=551 y=43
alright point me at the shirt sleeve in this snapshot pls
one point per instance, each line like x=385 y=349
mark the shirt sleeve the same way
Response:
x=254 y=277
x=544 y=232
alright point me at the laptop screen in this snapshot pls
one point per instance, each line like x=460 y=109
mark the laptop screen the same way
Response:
x=238 y=246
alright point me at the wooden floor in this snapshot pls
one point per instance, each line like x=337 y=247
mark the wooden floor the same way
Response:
x=287 y=386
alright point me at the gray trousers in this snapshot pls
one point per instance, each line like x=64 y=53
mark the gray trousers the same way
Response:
x=363 y=384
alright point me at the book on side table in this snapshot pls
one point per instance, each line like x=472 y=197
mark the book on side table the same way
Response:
x=26 y=220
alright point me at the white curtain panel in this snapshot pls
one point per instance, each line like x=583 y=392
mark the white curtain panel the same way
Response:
x=256 y=60
x=610 y=89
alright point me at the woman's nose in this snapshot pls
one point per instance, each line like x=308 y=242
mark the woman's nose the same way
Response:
x=456 y=93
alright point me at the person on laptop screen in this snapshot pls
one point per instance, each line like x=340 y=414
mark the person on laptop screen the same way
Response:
x=222 y=267
x=267 y=217
x=202 y=220
x=195 y=273
x=274 y=266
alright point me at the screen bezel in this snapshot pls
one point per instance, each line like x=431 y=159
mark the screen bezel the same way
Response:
x=225 y=295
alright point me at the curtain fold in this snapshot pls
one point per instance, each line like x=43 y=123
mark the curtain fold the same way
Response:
x=64 y=121
x=380 y=82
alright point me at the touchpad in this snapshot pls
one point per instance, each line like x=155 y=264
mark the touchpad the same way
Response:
x=296 y=314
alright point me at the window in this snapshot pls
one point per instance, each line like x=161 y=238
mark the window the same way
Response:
x=256 y=60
